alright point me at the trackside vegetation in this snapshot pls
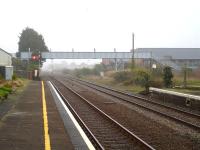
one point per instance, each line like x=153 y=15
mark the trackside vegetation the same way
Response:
x=139 y=79
x=8 y=87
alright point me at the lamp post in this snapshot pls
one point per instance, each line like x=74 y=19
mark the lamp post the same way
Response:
x=153 y=67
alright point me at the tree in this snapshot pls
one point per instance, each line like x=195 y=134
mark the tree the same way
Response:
x=98 y=68
x=29 y=38
x=167 y=76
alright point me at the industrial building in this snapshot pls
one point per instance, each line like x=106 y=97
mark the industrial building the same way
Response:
x=176 y=58
x=6 y=68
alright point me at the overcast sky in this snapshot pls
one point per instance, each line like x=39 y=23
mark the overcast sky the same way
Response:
x=102 y=24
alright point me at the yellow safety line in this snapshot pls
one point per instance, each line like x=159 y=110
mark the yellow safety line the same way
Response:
x=45 y=118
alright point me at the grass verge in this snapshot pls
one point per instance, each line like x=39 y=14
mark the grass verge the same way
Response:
x=111 y=83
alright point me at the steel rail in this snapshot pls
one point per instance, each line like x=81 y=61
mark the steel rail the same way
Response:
x=196 y=127
x=138 y=97
x=139 y=140
x=90 y=135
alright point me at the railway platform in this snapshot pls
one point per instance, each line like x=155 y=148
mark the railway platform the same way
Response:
x=34 y=122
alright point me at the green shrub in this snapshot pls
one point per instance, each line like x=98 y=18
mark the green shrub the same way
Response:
x=156 y=83
x=142 y=78
x=6 y=89
x=167 y=76
x=97 y=69
x=122 y=76
x=3 y=94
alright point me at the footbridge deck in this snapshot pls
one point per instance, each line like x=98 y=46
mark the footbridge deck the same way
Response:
x=88 y=55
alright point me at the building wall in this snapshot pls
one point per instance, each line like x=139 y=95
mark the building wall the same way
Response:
x=190 y=63
x=5 y=59
x=6 y=70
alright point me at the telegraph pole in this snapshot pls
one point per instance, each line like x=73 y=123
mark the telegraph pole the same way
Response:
x=133 y=61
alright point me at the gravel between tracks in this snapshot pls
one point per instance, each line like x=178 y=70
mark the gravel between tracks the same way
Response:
x=171 y=112
x=157 y=131
x=109 y=135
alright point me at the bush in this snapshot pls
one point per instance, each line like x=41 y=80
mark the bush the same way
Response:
x=17 y=83
x=87 y=71
x=9 y=90
x=82 y=72
x=128 y=82
x=97 y=69
x=156 y=83
x=3 y=94
x=8 y=85
x=122 y=76
x=142 y=78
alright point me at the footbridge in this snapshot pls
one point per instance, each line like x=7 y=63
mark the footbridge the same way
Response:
x=88 y=55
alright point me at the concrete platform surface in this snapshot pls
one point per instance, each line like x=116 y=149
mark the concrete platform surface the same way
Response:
x=22 y=128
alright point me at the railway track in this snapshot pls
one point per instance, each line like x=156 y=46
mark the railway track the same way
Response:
x=103 y=131
x=186 y=118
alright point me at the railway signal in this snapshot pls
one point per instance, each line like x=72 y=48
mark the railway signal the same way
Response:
x=35 y=57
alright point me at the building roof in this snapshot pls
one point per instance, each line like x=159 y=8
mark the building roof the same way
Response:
x=173 y=53
x=5 y=52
